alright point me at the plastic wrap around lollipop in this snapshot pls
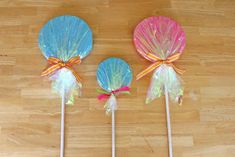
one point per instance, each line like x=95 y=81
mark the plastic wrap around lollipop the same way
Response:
x=65 y=41
x=114 y=77
x=161 y=41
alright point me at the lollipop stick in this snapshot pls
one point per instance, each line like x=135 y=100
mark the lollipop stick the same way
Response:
x=113 y=132
x=62 y=126
x=168 y=117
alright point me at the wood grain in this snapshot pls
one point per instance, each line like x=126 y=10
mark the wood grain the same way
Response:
x=30 y=112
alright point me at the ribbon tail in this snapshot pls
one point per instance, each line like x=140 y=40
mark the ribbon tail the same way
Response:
x=122 y=89
x=103 y=96
x=53 y=60
x=148 y=70
x=75 y=60
x=50 y=70
x=178 y=70
x=174 y=57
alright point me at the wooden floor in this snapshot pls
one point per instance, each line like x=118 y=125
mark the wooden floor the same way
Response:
x=30 y=114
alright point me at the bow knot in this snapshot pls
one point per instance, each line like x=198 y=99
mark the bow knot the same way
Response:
x=106 y=95
x=164 y=62
x=57 y=64
x=63 y=64
x=159 y=61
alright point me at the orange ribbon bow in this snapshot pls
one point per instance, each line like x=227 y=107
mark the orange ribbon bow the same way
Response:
x=158 y=61
x=56 y=64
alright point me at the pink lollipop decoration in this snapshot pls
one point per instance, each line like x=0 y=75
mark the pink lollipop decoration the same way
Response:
x=161 y=41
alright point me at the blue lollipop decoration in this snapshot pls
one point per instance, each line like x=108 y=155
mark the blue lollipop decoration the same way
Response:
x=65 y=41
x=114 y=77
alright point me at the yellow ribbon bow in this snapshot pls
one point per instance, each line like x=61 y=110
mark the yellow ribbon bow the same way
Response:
x=158 y=61
x=56 y=64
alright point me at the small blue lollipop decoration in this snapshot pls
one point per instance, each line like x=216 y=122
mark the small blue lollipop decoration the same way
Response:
x=65 y=41
x=114 y=77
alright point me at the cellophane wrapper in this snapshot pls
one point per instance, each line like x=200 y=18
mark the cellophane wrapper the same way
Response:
x=111 y=104
x=65 y=84
x=165 y=76
x=162 y=37
x=65 y=37
x=112 y=74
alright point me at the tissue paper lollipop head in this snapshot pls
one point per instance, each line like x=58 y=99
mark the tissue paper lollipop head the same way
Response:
x=65 y=41
x=161 y=41
x=114 y=77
